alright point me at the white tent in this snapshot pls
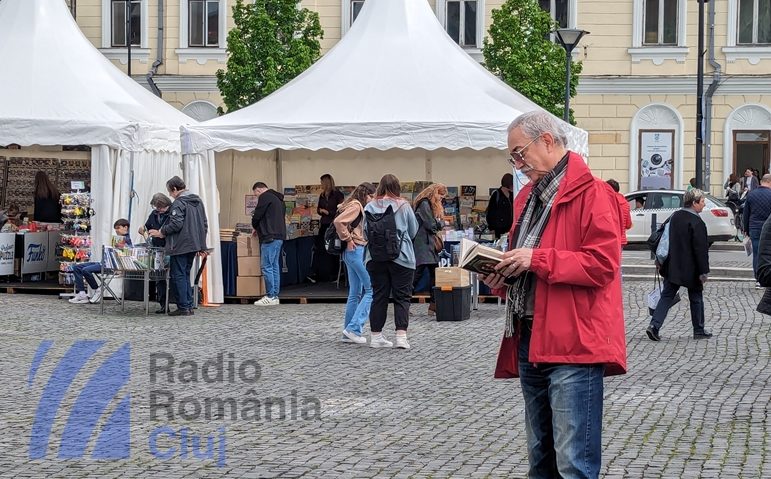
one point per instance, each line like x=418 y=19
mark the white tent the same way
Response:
x=396 y=80
x=57 y=89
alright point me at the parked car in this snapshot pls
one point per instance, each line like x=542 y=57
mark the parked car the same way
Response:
x=645 y=204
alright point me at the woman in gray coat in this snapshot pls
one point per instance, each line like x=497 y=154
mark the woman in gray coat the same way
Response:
x=429 y=212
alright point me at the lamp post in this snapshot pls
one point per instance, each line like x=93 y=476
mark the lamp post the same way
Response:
x=568 y=38
x=700 y=102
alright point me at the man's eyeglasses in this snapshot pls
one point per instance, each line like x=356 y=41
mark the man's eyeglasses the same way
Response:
x=517 y=155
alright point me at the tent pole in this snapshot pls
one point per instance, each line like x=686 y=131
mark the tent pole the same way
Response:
x=131 y=184
x=279 y=172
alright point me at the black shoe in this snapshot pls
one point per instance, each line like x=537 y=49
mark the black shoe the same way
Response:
x=702 y=335
x=653 y=333
x=160 y=311
x=181 y=312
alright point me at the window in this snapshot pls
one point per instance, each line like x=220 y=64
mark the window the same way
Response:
x=462 y=22
x=664 y=201
x=204 y=23
x=754 y=22
x=558 y=9
x=660 y=22
x=355 y=9
x=120 y=25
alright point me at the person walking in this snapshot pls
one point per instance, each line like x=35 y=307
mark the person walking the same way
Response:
x=749 y=182
x=764 y=268
x=624 y=209
x=47 y=207
x=499 y=212
x=687 y=265
x=564 y=326
x=429 y=212
x=757 y=209
x=390 y=225
x=270 y=227
x=325 y=266
x=157 y=219
x=349 y=224
x=185 y=233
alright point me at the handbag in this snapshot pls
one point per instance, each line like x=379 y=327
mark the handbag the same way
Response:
x=438 y=242
x=506 y=364
x=655 y=295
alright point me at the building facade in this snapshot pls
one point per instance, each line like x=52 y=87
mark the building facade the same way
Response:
x=637 y=94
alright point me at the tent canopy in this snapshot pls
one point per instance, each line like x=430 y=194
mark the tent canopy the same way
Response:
x=57 y=89
x=396 y=80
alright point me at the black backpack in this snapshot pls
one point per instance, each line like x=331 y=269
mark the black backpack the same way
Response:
x=383 y=239
x=332 y=242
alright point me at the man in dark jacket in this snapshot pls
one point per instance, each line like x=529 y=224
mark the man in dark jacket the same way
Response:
x=757 y=209
x=270 y=226
x=687 y=264
x=499 y=209
x=185 y=234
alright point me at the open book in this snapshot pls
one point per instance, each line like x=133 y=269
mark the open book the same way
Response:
x=478 y=258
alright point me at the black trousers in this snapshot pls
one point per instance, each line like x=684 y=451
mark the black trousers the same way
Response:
x=390 y=279
x=431 y=278
x=324 y=266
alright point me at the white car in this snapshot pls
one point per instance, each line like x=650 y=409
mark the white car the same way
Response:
x=662 y=203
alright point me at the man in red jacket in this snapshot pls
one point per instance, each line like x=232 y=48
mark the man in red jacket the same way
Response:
x=564 y=314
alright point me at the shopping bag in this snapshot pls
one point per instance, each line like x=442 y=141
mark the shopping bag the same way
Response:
x=655 y=295
x=748 y=246
x=506 y=365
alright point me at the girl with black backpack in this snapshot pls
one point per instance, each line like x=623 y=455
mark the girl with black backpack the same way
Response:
x=349 y=224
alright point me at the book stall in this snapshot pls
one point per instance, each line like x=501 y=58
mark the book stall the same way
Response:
x=139 y=263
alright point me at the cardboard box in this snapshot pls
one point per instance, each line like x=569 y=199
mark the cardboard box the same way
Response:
x=247 y=246
x=249 y=266
x=453 y=277
x=250 y=286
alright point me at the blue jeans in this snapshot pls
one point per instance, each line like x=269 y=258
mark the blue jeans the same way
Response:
x=271 y=269
x=85 y=271
x=755 y=240
x=357 y=308
x=179 y=275
x=563 y=416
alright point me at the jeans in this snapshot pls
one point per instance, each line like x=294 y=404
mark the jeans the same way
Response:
x=179 y=275
x=359 y=291
x=563 y=416
x=390 y=279
x=85 y=271
x=431 y=279
x=755 y=240
x=271 y=269
x=668 y=292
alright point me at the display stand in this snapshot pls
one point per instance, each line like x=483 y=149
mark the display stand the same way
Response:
x=144 y=264
x=75 y=243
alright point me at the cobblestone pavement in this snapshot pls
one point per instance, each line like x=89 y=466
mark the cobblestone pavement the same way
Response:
x=717 y=259
x=686 y=409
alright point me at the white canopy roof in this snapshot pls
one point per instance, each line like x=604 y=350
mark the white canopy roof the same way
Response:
x=57 y=89
x=396 y=80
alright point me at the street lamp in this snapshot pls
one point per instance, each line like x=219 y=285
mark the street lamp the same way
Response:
x=568 y=38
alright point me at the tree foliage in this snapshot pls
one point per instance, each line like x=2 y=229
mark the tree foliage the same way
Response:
x=519 y=51
x=272 y=42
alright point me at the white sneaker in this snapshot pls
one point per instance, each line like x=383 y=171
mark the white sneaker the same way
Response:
x=266 y=301
x=97 y=297
x=758 y=286
x=80 y=298
x=380 y=341
x=345 y=339
x=355 y=338
x=401 y=342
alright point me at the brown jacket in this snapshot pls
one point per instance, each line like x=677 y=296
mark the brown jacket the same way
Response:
x=347 y=215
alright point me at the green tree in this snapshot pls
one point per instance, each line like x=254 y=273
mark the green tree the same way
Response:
x=519 y=51
x=272 y=42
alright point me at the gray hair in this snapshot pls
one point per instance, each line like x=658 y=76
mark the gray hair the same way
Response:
x=694 y=195
x=766 y=178
x=537 y=122
x=160 y=201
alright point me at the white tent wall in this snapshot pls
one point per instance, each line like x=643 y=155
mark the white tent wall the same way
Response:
x=200 y=170
x=237 y=171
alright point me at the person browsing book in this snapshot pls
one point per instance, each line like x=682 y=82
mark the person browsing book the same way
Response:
x=564 y=325
x=429 y=212
x=159 y=216
x=86 y=271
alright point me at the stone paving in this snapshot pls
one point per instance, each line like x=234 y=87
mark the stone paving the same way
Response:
x=686 y=409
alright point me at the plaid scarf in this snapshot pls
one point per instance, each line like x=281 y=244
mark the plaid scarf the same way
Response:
x=527 y=234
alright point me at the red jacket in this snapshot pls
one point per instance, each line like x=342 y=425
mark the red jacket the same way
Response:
x=626 y=216
x=579 y=313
